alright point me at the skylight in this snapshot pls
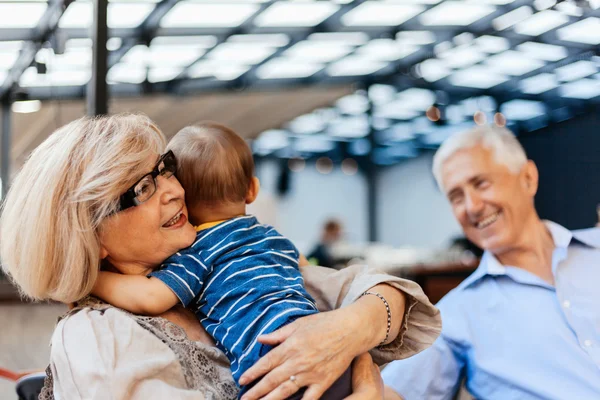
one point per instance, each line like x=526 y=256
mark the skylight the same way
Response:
x=348 y=38
x=21 y=15
x=462 y=56
x=582 y=89
x=242 y=53
x=585 y=31
x=513 y=63
x=283 y=14
x=218 y=69
x=522 y=110
x=381 y=13
x=211 y=15
x=120 y=15
x=539 y=83
x=478 y=76
x=318 y=51
x=456 y=13
x=512 y=17
x=543 y=51
x=433 y=70
x=286 y=68
x=492 y=44
x=576 y=70
x=163 y=55
x=386 y=50
x=31 y=78
x=355 y=66
x=541 y=22
x=416 y=37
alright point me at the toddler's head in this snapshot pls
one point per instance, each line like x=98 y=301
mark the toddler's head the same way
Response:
x=216 y=169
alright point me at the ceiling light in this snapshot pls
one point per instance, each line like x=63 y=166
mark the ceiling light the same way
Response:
x=416 y=37
x=126 y=73
x=478 y=76
x=21 y=15
x=539 y=83
x=31 y=78
x=581 y=89
x=522 y=110
x=348 y=38
x=492 y=44
x=211 y=15
x=355 y=66
x=433 y=70
x=543 y=51
x=79 y=14
x=576 y=70
x=512 y=17
x=513 y=63
x=386 y=50
x=224 y=71
x=26 y=107
x=456 y=13
x=201 y=41
x=541 y=22
x=283 y=14
x=585 y=31
x=376 y=13
x=286 y=68
x=543 y=4
x=272 y=39
x=417 y=99
x=241 y=53
x=461 y=57
x=317 y=51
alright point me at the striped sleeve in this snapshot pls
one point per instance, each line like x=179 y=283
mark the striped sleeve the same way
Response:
x=184 y=274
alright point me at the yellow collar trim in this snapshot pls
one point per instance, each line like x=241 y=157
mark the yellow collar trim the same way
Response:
x=208 y=225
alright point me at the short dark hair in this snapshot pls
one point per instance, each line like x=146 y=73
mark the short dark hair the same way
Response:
x=214 y=164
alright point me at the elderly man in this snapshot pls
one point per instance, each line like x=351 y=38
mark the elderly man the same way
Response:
x=526 y=323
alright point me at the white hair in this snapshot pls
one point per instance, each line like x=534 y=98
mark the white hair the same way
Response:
x=51 y=217
x=504 y=145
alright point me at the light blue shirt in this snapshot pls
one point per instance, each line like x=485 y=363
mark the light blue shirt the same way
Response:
x=510 y=335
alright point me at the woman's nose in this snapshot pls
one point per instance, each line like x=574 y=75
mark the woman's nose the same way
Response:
x=170 y=189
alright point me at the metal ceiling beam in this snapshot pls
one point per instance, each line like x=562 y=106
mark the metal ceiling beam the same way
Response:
x=97 y=89
x=5 y=147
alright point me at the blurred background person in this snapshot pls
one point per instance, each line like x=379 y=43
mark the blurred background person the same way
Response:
x=322 y=253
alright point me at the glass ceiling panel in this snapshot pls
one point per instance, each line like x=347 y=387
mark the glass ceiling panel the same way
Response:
x=120 y=15
x=386 y=50
x=355 y=66
x=7 y=59
x=582 y=89
x=241 y=53
x=31 y=78
x=462 y=56
x=478 y=76
x=541 y=22
x=377 y=13
x=21 y=15
x=217 y=69
x=284 y=14
x=163 y=55
x=513 y=63
x=282 y=68
x=542 y=51
x=3 y=75
x=316 y=51
x=456 y=13
x=348 y=38
x=192 y=14
x=539 y=83
x=585 y=31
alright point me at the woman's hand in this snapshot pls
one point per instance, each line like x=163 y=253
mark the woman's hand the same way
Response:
x=316 y=349
x=366 y=380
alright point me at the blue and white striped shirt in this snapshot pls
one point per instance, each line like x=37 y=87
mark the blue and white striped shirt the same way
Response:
x=242 y=280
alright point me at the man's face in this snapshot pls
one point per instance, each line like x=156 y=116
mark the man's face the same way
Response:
x=491 y=203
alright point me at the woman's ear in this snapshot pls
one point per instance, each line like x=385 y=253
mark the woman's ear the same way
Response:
x=253 y=190
x=103 y=252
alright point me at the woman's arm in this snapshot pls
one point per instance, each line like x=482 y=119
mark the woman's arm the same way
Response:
x=93 y=356
x=318 y=348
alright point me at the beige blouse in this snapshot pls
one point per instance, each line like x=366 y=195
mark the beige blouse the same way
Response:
x=110 y=354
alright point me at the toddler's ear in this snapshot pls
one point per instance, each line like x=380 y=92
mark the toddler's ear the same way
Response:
x=253 y=190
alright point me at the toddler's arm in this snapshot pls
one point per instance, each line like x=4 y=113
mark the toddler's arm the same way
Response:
x=135 y=293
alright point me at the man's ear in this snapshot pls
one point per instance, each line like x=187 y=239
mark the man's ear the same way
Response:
x=530 y=176
x=253 y=190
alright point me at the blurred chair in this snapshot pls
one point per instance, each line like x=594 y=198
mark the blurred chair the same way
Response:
x=27 y=384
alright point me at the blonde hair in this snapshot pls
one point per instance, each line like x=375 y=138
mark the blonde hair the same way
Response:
x=49 y=242
x=214 y=164
x=504 y=145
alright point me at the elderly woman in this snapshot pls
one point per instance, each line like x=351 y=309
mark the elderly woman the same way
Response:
x=62 y=222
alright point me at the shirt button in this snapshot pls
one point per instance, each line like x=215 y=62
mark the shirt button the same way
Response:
x=566 y=304
x=587 y=343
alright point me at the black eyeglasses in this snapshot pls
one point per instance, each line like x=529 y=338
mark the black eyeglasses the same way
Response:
x=143 y=189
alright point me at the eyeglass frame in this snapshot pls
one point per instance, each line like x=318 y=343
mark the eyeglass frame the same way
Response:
x=128 y=199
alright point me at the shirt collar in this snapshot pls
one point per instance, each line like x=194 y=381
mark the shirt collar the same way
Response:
x=562 y=237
